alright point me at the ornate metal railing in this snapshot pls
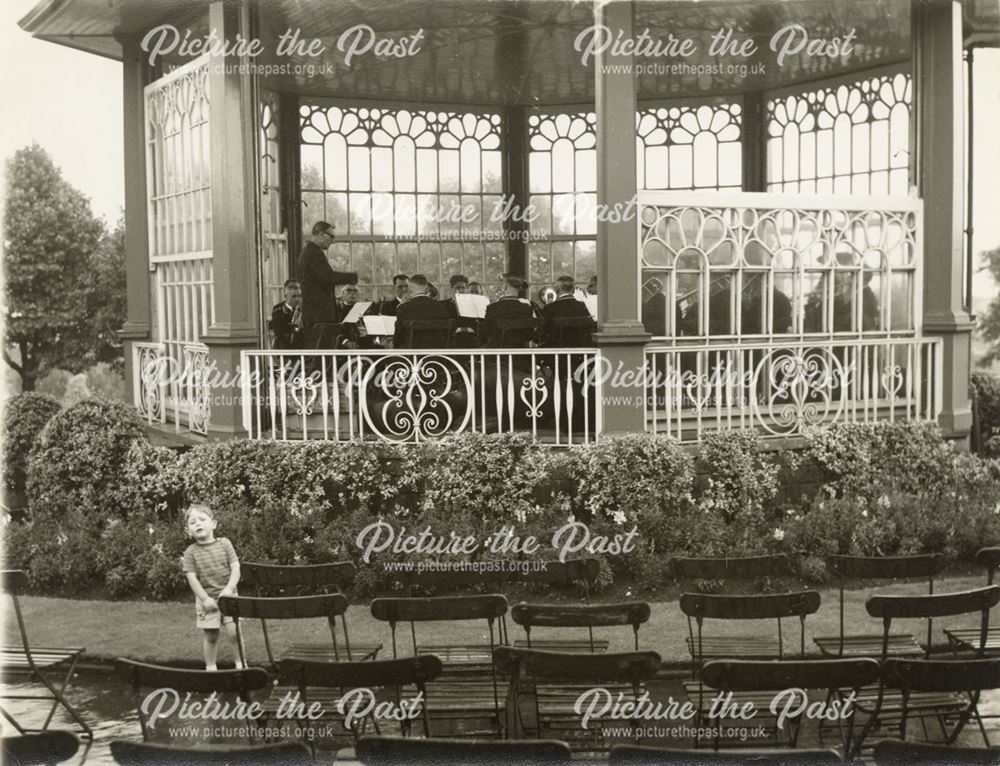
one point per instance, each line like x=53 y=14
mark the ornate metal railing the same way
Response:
x=779 y=388
x=413 y=396
x=170 y=383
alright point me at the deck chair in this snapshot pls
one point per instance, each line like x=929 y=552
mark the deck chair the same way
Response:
x=141 y=675
x=46 y=748
x=640 y=755
x=739 y=569
x=877 y=568
x=517 y=333
x=573 y=332
x=126 y=753
x=392 y=751
x=52 y=667
x=917 y=702
x=271 y=580
x=969 y=638
x=469 y=688
x=532 y=670
x=327 y=606
x=758 y=682
x=625 y=614
x=327 y=682
x=891 y=752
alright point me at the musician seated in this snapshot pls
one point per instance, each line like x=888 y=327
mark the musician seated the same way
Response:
x=509 y=306
x=400 y=286
x=419 y=306
x=565 y=306
x=286 y=318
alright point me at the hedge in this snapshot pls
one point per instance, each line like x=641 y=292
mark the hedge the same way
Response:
x=24 y=417
x=112 y=520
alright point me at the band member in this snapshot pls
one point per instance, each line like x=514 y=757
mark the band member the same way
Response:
x=565 y=305
x=319 y=284
x=400 y=286
x=286 y=318
x=509 y=306
x=419 y=306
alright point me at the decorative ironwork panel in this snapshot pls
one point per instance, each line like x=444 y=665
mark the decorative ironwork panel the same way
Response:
x=408 y=190
x=851 y=138
x=783 y=388
x=690 y=147
x=748 y=265
x=407 y=396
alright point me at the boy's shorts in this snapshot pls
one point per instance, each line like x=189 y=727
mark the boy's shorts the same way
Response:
x=209 y=620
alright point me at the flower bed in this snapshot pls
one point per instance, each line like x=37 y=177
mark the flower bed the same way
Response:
x=105 y=504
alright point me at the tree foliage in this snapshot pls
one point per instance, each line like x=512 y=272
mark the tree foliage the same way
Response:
x=65 y=291
x=989 y=322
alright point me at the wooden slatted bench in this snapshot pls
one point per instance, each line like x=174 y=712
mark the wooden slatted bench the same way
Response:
x=972 y=639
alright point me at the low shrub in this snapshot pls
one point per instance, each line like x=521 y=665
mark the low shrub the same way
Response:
x=24 y=417
x=986 y=408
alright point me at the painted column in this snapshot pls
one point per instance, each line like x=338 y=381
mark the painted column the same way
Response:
x=940 y=134
x=233 y=121
x=621 y=336
x=138 y=326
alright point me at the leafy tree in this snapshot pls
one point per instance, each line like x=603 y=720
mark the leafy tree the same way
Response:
x=61 y=270
x=989 y=322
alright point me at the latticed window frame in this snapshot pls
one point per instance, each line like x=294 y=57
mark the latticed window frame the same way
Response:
x=410 y=251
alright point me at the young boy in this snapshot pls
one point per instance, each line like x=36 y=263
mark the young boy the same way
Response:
x=212 y=570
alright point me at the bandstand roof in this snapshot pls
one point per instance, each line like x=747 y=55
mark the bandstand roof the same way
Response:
x=504 y=52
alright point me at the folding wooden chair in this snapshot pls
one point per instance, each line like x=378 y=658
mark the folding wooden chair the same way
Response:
x=957 y=684
x=627 y=614
x=128 y=753
x=37 y=663
x=328 y=682
x=461 y=694
x=878 y=568
x=640 y=755
x=44 y=749
x=391 y=751
x=429 y=333
x=891 y=752
x=533 y=671
x=758 y=682
x=569 y=573
x=140 y=675
x=917 y=702
x=737 y=607
x=270 y=580
x=327 y=606
x=969 y=638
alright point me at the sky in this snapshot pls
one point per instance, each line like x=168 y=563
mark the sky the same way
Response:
x=70 y=103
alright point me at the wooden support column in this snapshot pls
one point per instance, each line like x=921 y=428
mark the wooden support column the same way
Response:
x=754 y=141
x=138 y=324
x=940 y=133
x=233 y=120
x=621 y=336
x=290 y=162
x=515 y=188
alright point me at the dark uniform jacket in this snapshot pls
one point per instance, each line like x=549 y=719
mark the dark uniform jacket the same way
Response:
x=508 y=307
x=420 y=307
x=563 y=306
x=319 y=286
x=388 y=308
x=285 y=334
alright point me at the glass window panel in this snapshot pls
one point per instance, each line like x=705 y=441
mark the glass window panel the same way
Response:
x=336 y=212
x=492 y=173
x=539 y=172
x=471 y=167
x=539 y=263
x=451 y=261
x=312 y=166
x=361 y=213
x=472 y=262
x=381 y=169
x=449 y=215
x=562 y=259
x=359 y=168
x=363 y=262
x=312 y=209
x=427 y=205
x=562 y=166
x=472 y=216
x=427 y=180
x=339 y=256
x=383 y=213
x=492 y=213
x=495 y=256
x=448 y=165
x=586 y=259
x=542 y=223
x=385 y=264
x=408 y=258
x=335 y=155
x=586 y=170
x=563 y=214
x=680 y=167
x=586 y=214
x=901 y=307
x=406 y=215
x=404 y=164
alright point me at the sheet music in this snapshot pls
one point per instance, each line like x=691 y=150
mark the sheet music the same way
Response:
x=590 y=301
x=472 y=306
x=356 y=312
x=380 y=325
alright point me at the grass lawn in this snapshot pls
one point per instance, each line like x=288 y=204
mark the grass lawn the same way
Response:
x=165 y=632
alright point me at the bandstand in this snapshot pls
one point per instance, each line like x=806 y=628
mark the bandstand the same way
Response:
x=777 y=244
